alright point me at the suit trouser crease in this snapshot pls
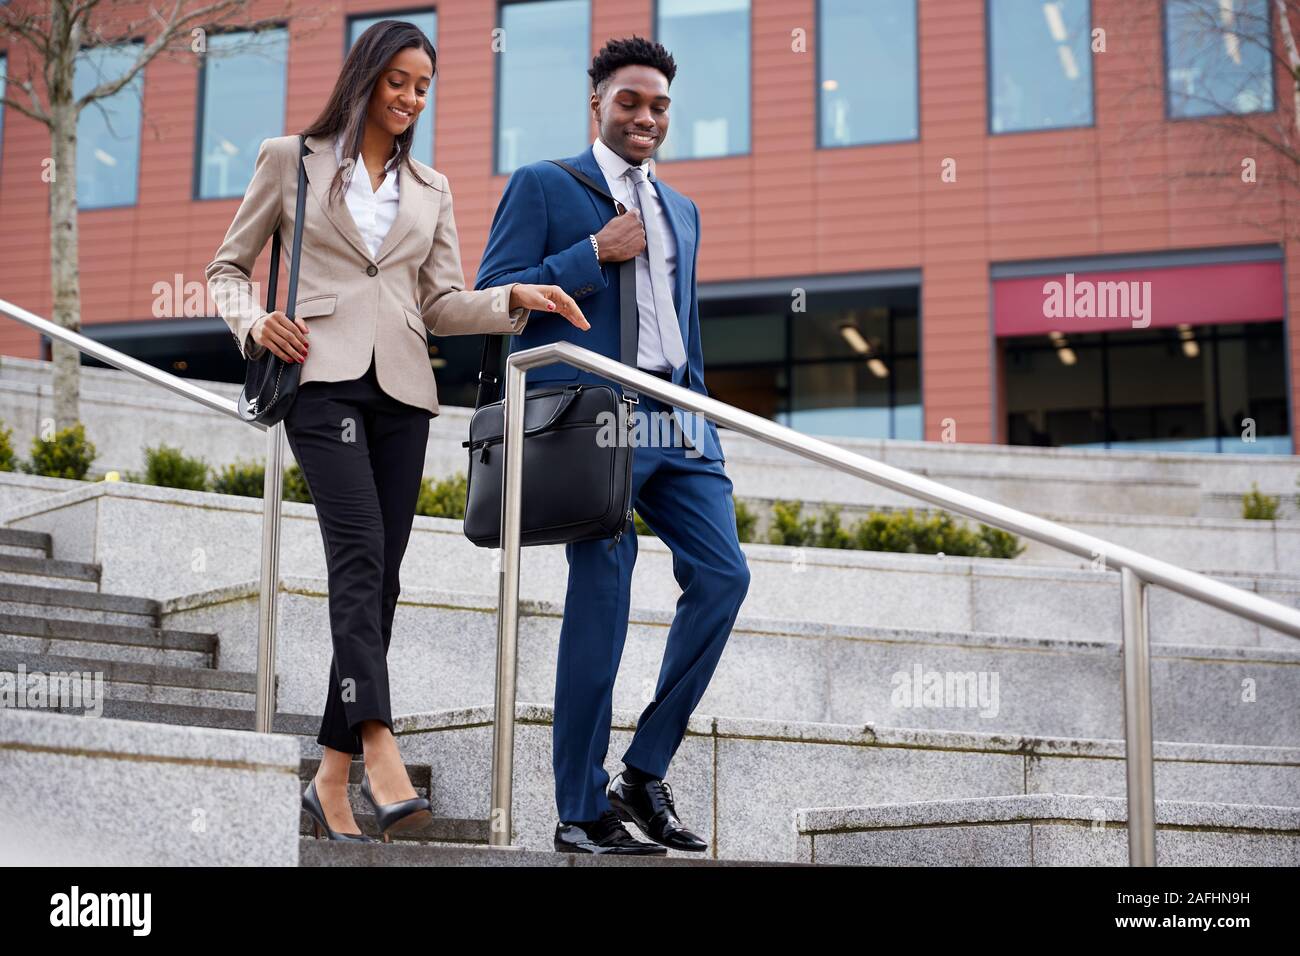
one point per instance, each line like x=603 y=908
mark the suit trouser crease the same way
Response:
x=365 y=486
x=687 y=502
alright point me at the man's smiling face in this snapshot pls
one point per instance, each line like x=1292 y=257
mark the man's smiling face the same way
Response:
x=632 y=112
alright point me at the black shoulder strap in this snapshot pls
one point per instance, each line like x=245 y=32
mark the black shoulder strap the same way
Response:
x=290 y=306
x=629 y=324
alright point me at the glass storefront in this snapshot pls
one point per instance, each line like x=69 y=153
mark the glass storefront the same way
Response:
x=848 y=364
x=1183 y=388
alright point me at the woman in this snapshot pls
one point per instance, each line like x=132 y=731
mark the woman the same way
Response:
x=380 y=266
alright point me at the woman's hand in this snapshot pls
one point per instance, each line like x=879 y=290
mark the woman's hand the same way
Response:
x=548 y=298
x=285 y=338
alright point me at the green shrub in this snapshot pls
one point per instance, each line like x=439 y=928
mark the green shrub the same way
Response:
x=443 y=499
x=746 y=520
x=789 y=527
x=999 y=544
x=900 y=531
x=640 y=526
x=67 y=455
x=1257 y=505
x=295 y=485
x=248 y=478
x=241 y=478
x=829 y=532
x=8 y=462
x=169 y=467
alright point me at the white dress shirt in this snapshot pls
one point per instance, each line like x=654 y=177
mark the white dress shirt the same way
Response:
x=373 y=210
x=649 y=352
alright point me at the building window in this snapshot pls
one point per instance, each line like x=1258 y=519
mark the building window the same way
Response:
x=709 y=40
x=108 y=131
x=1181 y=388
x=426 y=20
x=1218 y=54
x=542 y=82
x=242 y=90
x=867 y=72
x=1039 y=64
x=848 y=366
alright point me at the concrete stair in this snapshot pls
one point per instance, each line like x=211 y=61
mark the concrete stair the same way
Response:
x=1045 y=829
x=800 y=670
x=740 y=781
x=800 y=752
x=327 y=853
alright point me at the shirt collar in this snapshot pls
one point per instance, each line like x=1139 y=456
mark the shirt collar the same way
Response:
x=614 y=166
x=338 y=153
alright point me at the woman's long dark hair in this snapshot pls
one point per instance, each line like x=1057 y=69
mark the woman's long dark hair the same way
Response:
x=344 y=114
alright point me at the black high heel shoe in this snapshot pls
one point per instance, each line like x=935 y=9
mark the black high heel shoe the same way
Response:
x=401 y=815
x=311 y=803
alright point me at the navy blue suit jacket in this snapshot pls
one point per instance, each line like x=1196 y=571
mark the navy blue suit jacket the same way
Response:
x=540 y=235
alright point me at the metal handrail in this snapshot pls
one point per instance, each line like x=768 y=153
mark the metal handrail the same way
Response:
x=272 y=488
x=1137 y=570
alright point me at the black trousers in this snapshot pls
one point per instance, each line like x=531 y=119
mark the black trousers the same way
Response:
x=362 y=454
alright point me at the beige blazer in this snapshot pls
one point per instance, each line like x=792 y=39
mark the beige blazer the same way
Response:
x=354 y=303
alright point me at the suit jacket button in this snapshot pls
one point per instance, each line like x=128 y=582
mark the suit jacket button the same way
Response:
x=371 y=269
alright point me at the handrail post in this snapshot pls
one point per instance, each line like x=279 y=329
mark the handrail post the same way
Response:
x=503 y=726
x=1139 y=760
x=272 y=492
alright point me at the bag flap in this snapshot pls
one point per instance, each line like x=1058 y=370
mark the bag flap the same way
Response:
x=542 y=410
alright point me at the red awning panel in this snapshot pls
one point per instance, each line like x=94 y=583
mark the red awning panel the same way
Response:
x=1138 y=298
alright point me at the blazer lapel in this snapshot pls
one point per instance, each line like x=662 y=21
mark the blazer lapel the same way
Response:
x=673 y=207
x=321 y=167
x=585 y=162
x=410 y=194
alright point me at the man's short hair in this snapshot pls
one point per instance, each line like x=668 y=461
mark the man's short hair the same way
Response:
x=631 y=51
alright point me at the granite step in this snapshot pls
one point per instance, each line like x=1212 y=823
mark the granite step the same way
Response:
x=334 y=853
x=48 y=572
x=1045 y=829
x=128 y=680
x=71 y=604
x=141 y=643
x=738 y=782
x=24 y=543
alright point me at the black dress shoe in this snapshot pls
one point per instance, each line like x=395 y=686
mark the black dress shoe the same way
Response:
x=402 y=815
x=311 y=803
x=606 y=835
x=650 y=806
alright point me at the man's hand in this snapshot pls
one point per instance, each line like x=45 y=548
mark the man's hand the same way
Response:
x=286 y=339
x=622 y=238
x=548 y=298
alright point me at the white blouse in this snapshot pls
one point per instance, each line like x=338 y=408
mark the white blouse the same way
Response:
x=373 y=211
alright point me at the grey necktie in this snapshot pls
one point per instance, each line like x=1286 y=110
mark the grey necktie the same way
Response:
x=670 y=333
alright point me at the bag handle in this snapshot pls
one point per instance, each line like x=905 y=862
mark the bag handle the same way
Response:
x=292 y=305
x=629 y=323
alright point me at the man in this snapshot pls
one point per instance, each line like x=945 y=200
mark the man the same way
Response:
x=550 y=228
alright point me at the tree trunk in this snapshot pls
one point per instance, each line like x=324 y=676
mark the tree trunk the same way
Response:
x=65 y=269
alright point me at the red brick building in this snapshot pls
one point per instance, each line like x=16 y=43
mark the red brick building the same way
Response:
x=893 y=287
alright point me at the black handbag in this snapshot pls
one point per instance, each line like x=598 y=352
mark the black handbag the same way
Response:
x=271 y=383
x=575 y=487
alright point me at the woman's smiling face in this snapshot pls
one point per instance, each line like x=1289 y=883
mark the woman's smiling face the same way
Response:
x=402 y=90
